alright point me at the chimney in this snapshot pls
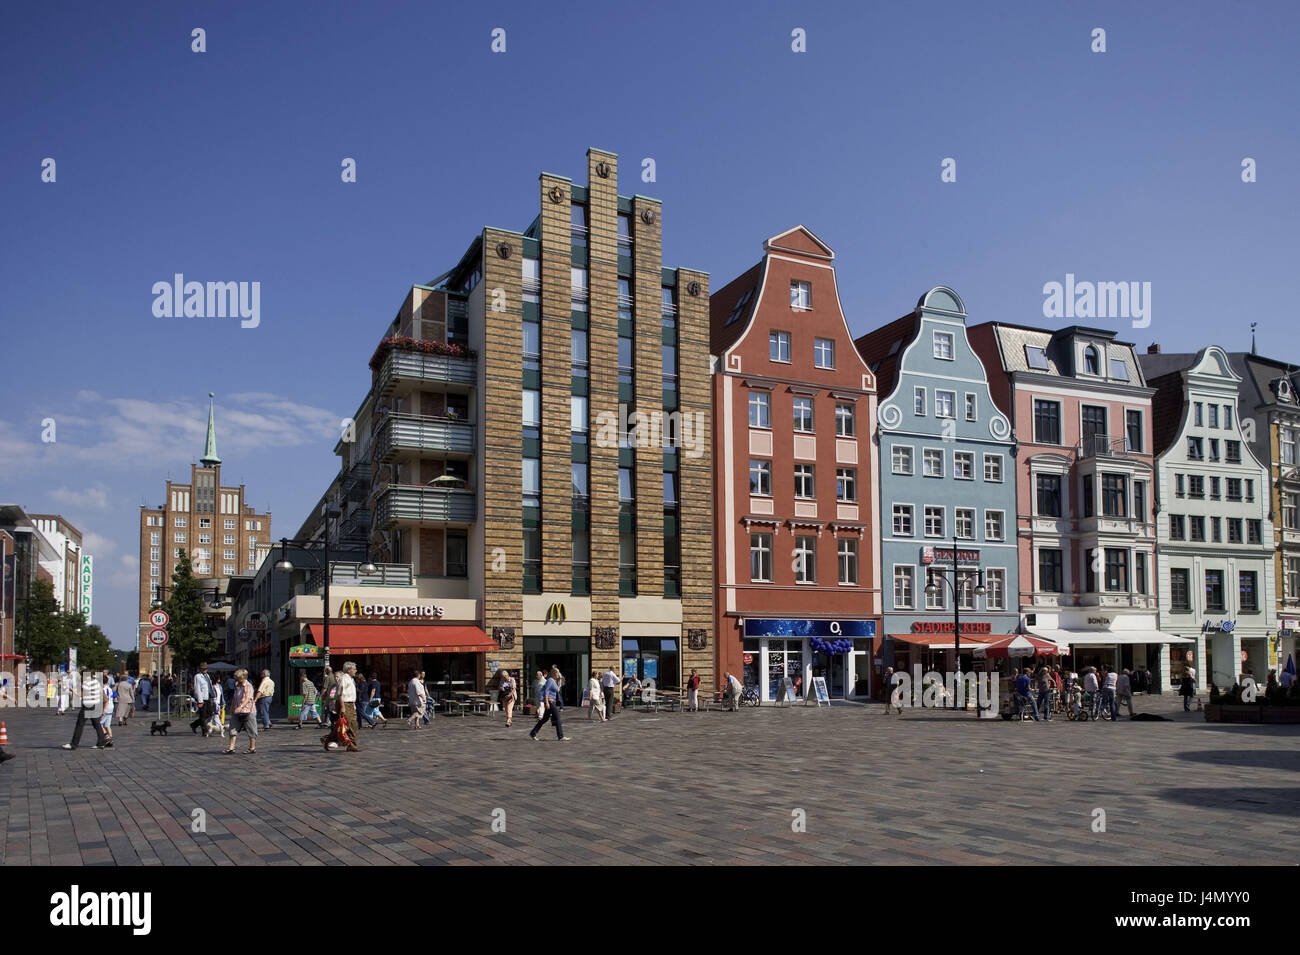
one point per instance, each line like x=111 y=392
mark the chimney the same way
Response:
x=1153 y=348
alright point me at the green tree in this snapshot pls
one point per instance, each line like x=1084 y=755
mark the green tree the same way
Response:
x=132 y=662
x=94 y=651
x=191 y=641
x=47 y=642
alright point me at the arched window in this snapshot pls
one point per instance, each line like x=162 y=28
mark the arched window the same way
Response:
x=1091 y=360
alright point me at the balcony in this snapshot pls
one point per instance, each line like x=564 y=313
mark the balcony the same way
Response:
x=416 y=503
x=348 y=574
x=416 y=433
x=1104 y=446
x=400 y=367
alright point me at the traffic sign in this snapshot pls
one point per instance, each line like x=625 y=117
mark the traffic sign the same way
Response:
x=158 y=637
x=159 y=618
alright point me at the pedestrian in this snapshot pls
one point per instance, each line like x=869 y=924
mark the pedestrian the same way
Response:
x=219 y=697
x=243 y=718
x=308 y=709
x=1109 y=685
x=125 y=699
x=418 y=698
x=1091 y=690
x=732 y=692
x=595 y=704
x=1043 y=681
x=891 y=697
x=539 y=691
x=609 y=687
x=265 y=694
x=508 y=690
x=1023 y=697
x=693 y=692
x=1187 y=689
x=1190 y=674
x=202 y=687
x=92 y=706
x=130 y=710
x=144 y=689
x=1271 y=681
x=110 y=704
x=347 y=694
x=550 y=697
x=1124 y=693
x=329 y=695
x=65 y=692
x=374 y=697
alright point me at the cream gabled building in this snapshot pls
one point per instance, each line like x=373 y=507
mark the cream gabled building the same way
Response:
x=1214 y=533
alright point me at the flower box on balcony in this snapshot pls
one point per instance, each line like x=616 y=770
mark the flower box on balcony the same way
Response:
x=420 y=345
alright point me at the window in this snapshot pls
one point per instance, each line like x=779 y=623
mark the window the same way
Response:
x=1140 y=572
x=578 y=414
x=993 y=467
x=1254 y=532
x=578 y=480
x=932 y=461
x=1036 y=358
x=1091 y=361
x=823 y=353
x=1232 y=452
x=901 y=459
x=964 y=522
x=1195 y=450
x=1116 y=570
x=1133 y=431
x=1227 y=417
x=1094 y=426
x=803 y=414
x=760 y=409
x=532 y=480
x=778 y=346
x=1140 y=500
x=1234 y=489
x=1198 y=414
x=153 y=553
x=804 y=485
x=580 y=358
x=995 y=582
x=1118 y=369
x=532 y=278
x=1180 y=486
x=966 y=591
x=1047 y=421
x=578 y=289
x=205 y=522
x=229 y=554
x=1195 y=486
x=1214 y=416
x=845 y=426
x=1050 y=571
x=846 y=485
x=760 y=558
x=1180 y=590
x=994 y=524
x=1214 y=591
x=1196 y=527
x=760 y=478
x=972 y=407
x=904 y=587
x=1290 y=511
x=626 y=487
x=625 y=367
x=800 y=295
x=1214 y=449
x=153 y=570
x=180 y=537
x=903 y=520
x=1250 y=489
x=1292 y=579
x=1114 y=495
x=180 y=552
x=531 y=411
x=1287 y=439
x=805 y=560
x=847 y=551
x=963 y=465
x=943 y=345
x=1216 y=529
x=228 y=569
x=945 y=403
x=918 y=400
x=1215 y=486
x=154 y=538
x=179 y=522
x=933 y=521
x=1089 y=498
x=230 y=523
x=936 y=600
x=1248 y=587
x=1048 y=495
x=1177 y=527
x=228 y=539
x=1234 y=530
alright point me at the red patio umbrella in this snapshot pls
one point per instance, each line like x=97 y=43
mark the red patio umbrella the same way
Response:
x=1021 y=645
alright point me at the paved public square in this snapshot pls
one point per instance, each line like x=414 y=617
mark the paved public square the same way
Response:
x=703 y=788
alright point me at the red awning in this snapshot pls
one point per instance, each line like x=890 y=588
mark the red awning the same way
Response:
x=11 y=656
x=944 y=641
x=379 y=638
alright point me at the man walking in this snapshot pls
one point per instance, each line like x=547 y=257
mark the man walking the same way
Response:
x=550 y=698
x=608 y=686
x=203 y=697
x=1110 y=681
x=347 y=690
x=92 y=702
x=417 y=697
x=265 y=694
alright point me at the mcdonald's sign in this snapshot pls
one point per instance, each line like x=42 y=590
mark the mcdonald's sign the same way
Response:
x=351 y=607
x=556 y=613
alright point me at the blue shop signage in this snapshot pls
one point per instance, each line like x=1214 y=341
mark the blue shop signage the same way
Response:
x=848 y=629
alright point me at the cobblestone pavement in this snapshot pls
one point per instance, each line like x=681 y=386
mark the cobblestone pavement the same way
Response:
x=925 y=787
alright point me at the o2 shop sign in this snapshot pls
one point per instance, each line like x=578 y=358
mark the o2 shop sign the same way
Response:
x=767 y=627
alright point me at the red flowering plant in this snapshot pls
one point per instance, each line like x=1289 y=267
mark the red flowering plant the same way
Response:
x=424 y=346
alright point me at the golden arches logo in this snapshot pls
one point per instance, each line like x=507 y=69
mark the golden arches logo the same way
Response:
x=556 y=613
x=350 y=607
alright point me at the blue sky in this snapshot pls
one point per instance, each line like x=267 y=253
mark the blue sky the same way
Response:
x=224 y=166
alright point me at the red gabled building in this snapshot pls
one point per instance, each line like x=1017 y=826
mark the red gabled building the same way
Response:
x=796 y=504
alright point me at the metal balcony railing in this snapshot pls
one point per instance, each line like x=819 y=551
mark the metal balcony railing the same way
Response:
x=422 y=433
x=1103 y=445
x=405 y=502
x=348 y=574
x=408 y=365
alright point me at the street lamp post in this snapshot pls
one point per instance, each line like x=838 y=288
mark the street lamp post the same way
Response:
x=932 y=588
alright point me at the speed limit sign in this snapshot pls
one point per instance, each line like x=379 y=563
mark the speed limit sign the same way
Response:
x=159 y=618
x=158 y=637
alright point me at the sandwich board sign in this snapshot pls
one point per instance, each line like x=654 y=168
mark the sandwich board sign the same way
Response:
x=819 y=693
x=785 y=694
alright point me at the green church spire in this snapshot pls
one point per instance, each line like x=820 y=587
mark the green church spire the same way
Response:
x=210 y=449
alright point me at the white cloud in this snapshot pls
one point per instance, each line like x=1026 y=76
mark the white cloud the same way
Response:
x=95 y=498
x=97 y=545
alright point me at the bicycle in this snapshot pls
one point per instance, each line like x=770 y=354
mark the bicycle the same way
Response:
x=749 y=696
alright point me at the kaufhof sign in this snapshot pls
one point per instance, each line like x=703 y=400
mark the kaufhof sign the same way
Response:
x=352 y=607
x=87 y=585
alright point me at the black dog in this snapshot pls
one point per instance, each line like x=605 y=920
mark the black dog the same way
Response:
x=159 y=726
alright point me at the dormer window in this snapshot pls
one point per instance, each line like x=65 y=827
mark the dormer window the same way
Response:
x=1091 y=360
x=1036 y=358
x=1284 y=389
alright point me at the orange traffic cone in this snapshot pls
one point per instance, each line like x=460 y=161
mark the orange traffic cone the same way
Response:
x=4 y=741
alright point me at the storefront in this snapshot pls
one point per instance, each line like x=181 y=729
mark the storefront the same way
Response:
x=1155 y=659
x=777 y=648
